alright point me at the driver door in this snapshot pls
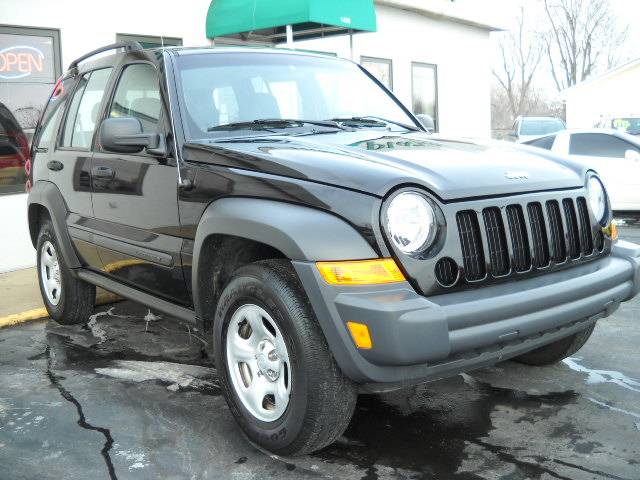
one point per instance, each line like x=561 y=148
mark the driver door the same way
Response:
x=135 y=196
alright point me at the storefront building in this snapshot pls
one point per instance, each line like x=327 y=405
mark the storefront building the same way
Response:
x=434 y=55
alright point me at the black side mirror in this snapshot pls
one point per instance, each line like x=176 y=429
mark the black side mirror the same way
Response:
x=427 y=122
x=125 y=135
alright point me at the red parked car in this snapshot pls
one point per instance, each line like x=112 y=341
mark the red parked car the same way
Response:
x=15 y=157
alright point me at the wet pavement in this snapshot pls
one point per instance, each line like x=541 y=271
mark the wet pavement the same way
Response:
x=133 y=395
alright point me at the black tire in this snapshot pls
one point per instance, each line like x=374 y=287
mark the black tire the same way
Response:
x=77 y=298
x=556 y=351
x=322 y=399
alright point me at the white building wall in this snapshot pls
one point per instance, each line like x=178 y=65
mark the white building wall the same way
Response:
x=86 y=25
x=461 y=53
x=610 y=96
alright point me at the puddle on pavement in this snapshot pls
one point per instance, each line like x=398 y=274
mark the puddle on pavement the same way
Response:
x=425 y=430
x=137 y=346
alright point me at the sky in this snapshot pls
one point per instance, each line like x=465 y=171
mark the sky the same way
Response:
x=504 y=12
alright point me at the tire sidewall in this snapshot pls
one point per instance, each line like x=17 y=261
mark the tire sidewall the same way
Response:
x=47 y=234
x=248 y=289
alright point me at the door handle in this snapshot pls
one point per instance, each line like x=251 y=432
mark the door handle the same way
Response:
x=103 y=173
x=55 y=165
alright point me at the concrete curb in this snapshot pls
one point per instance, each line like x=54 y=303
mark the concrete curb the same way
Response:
x=41 y=313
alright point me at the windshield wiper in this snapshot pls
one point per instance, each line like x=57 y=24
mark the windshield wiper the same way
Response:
x=373 y=121
x=277 y=123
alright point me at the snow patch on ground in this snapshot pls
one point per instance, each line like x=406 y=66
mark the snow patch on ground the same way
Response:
x=603 y=376
x=176 y=374
x=96 y=330
x=136 y=457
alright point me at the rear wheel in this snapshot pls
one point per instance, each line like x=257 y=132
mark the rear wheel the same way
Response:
x=556 y=351
x=68 y=299
x=277 y=373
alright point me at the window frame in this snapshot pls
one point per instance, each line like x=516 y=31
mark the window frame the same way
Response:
x=163 y=128
x=436 y=106
x=157 y=39
x=63 y=121
x=387 y=61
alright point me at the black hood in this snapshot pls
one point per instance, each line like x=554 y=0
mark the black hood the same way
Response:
x=374 y=162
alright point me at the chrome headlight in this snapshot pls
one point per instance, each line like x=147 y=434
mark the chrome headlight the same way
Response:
x=597 y=198
x=411 y=222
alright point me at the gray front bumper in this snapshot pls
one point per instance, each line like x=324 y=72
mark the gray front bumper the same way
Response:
x=417 y=338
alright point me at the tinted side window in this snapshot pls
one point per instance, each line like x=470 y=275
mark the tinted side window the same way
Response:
x=544 y=142
x=599 y=145
x=85 y=108
x=138 y=95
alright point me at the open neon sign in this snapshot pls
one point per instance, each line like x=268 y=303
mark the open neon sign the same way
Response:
x=20 y=61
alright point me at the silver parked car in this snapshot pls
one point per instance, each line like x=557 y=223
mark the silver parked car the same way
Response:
x=615 y=155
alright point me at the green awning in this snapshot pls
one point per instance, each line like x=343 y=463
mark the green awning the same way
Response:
x=267 y=19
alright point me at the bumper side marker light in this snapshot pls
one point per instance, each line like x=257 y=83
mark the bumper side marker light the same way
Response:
x=360 y=334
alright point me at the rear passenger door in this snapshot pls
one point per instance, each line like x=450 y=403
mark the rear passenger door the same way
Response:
x=135 y=196
x=66 y=157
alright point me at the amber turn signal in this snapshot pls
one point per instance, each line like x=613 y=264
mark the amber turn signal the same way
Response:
x=360 y=334
x=611 y=231
x=361 y=272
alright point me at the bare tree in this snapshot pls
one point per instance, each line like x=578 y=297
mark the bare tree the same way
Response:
x=520 y=55
x=584 y=35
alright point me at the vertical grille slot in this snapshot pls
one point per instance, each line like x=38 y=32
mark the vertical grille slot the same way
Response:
x=572 y=228
x=519 y=239
x=471 y=242
x=586 y=238
x=556 y=231
x=538 y=235
x=497 y=241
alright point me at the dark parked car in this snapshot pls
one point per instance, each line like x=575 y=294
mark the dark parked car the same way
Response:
x=299 y=214
x=14 y=153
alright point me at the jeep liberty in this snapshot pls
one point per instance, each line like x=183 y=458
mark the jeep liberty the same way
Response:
x=296 y=212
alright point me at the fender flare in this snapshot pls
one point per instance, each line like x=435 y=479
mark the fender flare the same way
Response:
x=299 y=232
x=47 y=195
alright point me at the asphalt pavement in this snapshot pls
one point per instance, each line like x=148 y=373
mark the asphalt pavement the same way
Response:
x=133 y=394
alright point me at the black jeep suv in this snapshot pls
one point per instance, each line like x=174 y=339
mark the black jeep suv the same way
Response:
x=292 y=207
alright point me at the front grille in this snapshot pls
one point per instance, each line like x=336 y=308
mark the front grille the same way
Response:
x=519 y=240
x=538 y=235
x=558 y=250
x=471 y=242
x=572 y=228
x=497 y=241
x=586 y=240
x=523 y=237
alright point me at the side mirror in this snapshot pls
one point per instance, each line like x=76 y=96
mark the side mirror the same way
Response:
x=632 y=155
x=427 y=122
x=125 y=135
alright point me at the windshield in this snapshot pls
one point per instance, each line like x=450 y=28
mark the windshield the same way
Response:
x=218 y=89
x=541 y=126
x=629 y=125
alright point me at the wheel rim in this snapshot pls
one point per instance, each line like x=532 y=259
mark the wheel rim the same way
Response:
x=258 y=362
x=50 y=273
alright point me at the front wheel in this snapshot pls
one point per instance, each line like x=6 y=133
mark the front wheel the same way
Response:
x=556 y=351
x=276 y=371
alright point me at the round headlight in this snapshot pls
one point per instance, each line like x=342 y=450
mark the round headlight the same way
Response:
x=597 y=198
x=411 y=222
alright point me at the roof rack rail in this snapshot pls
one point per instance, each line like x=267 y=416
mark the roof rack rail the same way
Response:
x=129 y=46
